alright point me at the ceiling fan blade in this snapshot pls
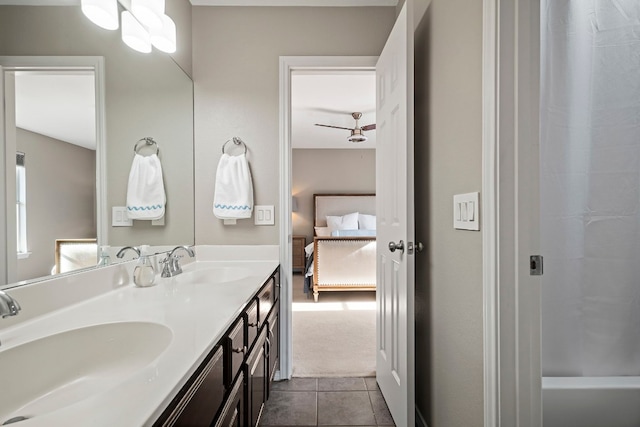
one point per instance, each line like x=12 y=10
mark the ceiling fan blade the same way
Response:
x=368 y=127
x=335 y=127
x=327 y=110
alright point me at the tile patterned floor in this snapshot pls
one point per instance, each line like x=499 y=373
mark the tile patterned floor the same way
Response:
x=326 y=402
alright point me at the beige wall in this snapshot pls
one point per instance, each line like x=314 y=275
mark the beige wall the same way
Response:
x=146 y=95
x=449 y=348
x=235 y=68
x=328 y=171
x=61 y=180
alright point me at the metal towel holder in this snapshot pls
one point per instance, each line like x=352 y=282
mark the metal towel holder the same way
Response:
x=236 y=141
x=147 y=141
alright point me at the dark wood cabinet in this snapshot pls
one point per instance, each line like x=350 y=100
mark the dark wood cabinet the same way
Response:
x=256 y=390
x=200 y=400
x=231 y=386
x=233 y=412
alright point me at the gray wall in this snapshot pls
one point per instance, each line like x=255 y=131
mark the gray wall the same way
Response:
x=449 y=348
x=146 y=95
x=328 y=171
x=235 y=69
x=60 y=198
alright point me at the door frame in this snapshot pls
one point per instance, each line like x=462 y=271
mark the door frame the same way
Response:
x=287 y=65
x=49 y=63
x=511 y=76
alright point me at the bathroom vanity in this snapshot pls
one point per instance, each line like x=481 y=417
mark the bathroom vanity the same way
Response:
x=231 y=385
x=200 y=348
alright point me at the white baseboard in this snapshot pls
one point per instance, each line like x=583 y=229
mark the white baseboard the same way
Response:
x=420 y=422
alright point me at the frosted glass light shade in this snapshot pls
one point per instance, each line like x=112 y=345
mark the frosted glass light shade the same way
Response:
x=103 y=13
x=134 y=34
x=164 y=38
x=148 y=12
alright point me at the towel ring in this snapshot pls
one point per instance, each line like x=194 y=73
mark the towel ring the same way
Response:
x=237 y=141
x=148 y=141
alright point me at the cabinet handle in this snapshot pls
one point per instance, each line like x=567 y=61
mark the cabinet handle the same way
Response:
x=240 y=350
x=268 y=349
x=252 y=324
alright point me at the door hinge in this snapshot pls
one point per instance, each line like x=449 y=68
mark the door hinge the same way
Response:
x=535 y=265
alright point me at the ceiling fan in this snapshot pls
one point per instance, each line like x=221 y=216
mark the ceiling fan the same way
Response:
x=356 y=132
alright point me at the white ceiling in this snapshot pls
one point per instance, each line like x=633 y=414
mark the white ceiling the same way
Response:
x=60 y=105
x=330 y=98
x=331 y=3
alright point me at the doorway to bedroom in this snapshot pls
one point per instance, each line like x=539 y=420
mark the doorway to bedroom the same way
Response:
x=333 y=152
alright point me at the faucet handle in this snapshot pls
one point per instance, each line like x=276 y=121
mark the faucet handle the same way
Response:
x=166 y=267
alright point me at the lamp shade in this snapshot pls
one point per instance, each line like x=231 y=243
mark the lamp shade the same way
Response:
x=164 y=38
x=294 y=204
x=148 y=12
x=134 y=34
x=103 y=13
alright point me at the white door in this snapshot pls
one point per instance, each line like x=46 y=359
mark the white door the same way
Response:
x=394 y=194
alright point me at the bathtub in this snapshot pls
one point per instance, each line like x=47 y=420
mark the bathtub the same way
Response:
x=591 y=401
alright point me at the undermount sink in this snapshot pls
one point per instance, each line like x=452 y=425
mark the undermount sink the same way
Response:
x=214 y=274
x=59 y=370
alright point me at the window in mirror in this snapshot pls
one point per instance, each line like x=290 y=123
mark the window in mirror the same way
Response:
x=21 y=205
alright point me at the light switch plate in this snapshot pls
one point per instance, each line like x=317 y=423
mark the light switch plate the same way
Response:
x=119 y=217
x=466 y=211
x=264 y=215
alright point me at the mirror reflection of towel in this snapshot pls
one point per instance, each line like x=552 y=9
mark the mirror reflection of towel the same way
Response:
x=233 y=197
x=145 y=194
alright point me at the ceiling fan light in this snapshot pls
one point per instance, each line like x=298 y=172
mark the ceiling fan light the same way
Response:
x=103 y=13
x=134 y=34
x=357 y=138
x=164 y=38
x=148 y=12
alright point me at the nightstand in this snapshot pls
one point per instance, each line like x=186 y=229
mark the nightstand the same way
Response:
x=299 y=260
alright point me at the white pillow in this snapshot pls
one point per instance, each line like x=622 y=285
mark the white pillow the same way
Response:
x=323 y=231
x=345 y=222
x=366 y=222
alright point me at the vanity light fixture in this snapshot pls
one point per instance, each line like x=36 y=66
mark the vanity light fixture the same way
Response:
x=164 y=38
x=144 y=22
x=134 y=34
x=103 y=13
x=148 y=12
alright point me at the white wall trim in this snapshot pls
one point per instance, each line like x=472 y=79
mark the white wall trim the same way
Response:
x=489 y=218
x=287 y=65
x=96 y=64
x=511 y=60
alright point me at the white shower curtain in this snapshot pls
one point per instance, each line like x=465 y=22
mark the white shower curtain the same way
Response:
x=590 y=187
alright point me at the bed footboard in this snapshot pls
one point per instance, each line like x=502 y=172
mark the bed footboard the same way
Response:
x=344 y=264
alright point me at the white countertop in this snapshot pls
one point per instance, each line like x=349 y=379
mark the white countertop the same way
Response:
x=196 y=312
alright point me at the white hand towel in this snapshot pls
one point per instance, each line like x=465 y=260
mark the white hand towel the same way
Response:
x=145 y=195
x=233 y=197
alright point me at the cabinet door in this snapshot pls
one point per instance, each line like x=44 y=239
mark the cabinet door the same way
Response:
x=256 y=370
x=199 y=401
x=273 y=344
x=232 y=414
x=252 y=323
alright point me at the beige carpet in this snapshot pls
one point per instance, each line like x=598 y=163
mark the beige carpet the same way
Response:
x=334 y=337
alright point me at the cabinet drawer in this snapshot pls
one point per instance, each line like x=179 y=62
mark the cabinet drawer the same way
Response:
x=236 y=349
x=266 y=298
x=252 y=324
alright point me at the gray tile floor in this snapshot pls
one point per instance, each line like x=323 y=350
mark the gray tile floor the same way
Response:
x=326 y=402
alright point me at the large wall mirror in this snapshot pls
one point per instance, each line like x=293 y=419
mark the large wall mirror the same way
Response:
x=76 y=168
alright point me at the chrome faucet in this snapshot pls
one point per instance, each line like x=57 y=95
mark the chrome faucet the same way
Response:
x=121 y=252
x=8 y=305
x=171 y=264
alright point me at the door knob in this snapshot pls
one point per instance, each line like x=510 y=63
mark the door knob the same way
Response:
x=396 y=246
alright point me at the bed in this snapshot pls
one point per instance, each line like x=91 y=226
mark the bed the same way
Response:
x=344 y=252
